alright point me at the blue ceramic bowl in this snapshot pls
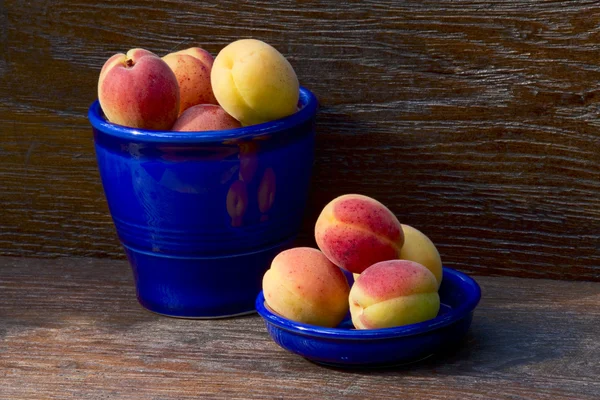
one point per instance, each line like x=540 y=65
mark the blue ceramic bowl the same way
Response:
x=201 y=215
x=345 y=346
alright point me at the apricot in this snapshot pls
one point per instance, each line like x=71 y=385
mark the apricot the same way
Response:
x=192 y=68
x=356 y=231
x=205 y=117
x=254 y=82
x=138 y=90
x=419 y=248
x=393 y=293
x=304 y=286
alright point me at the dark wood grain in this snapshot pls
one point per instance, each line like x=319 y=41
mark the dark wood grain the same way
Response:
x=72 y=328
x=475 y=121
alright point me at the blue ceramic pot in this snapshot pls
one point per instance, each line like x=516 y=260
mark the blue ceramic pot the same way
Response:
x=202 y=214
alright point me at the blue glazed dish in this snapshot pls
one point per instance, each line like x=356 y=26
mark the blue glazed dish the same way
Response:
x=201 y=215
x=345 y=346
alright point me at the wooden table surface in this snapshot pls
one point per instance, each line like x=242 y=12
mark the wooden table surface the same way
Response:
x=72 y=328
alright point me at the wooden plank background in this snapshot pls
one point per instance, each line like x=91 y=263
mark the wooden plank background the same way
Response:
x=475 y=121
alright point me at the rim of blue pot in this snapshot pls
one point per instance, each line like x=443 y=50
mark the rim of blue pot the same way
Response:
x=308 y=107
x=469 y=286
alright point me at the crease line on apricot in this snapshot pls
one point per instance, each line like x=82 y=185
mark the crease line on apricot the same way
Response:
x=239 y=92
x=365 y=230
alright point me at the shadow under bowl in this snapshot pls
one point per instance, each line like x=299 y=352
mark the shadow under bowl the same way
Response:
x=345 y=346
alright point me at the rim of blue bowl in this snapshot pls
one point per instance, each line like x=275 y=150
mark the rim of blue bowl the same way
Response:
x=308 y=107
x=469 y=285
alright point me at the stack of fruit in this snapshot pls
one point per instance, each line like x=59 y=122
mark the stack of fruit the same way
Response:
x=248 y=83
x=397 y=270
